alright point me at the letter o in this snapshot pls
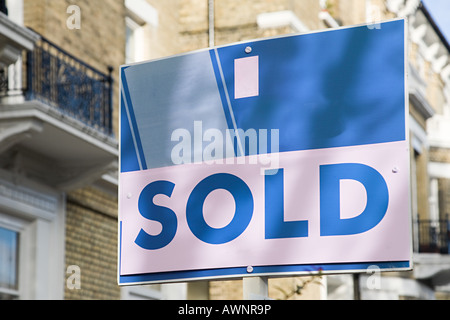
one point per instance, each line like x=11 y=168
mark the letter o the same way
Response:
x=243 y=215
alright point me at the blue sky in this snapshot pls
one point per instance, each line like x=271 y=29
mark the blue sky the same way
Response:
x=440 y=10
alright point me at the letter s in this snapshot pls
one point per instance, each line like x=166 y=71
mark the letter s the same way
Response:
x=151 y=211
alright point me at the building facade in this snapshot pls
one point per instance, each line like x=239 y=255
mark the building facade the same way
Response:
x=58 y=204
x=59 y=89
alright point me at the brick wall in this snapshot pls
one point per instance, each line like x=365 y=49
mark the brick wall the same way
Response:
x=236 y=20
x=100 y=42
x=91 y=243
x=225 y=290
x=290 y=288
x=163 y=40
x=34 y=14
x=439 y=155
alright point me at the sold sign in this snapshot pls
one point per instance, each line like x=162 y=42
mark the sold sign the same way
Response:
x=269 y=161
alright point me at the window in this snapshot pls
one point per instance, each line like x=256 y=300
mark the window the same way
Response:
x=3 y=7
x=141 y=17
x=9 y=261
x=31 y=241
x=132 y=29
x=15 y=10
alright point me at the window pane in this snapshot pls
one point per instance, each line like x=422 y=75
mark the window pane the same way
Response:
x=130 y=45
x=9 y=241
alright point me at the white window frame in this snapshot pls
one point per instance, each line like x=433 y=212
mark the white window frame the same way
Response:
x=15 y=11
x=38 y=214
x=280 y=19
x=17 y=226
x=140 y=15
x=132 y=53
x=143 y=12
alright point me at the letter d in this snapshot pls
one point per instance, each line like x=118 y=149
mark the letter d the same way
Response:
x=331 y=223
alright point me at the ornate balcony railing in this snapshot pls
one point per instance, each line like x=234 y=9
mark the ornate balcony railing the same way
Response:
x=434 y=236
x=66 y=83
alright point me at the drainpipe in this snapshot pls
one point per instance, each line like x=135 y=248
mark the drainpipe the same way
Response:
x=211 y=16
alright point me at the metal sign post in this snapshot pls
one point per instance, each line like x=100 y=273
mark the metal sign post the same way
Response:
x=256 y=288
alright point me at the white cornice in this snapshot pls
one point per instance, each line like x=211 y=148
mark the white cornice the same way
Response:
x=280 y=19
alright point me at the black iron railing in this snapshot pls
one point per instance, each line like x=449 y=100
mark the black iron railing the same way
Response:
x=74 y=88
x=434 y=236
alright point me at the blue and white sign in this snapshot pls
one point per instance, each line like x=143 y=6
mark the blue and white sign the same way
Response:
x=273 y=157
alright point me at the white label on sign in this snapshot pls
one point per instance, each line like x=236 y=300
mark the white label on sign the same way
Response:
x=246 y=73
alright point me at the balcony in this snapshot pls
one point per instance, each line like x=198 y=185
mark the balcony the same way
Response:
x=432 y=256
x=75 y=89
x=434 y=236
x=56 y=114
